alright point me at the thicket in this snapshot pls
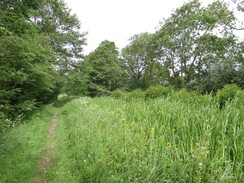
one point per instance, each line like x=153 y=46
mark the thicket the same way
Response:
x=230 y=93
x=33 y=54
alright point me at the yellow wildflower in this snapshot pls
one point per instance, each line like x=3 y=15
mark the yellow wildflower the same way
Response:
x=132 y=124
x=173 y=130
x=168 y=143
x=123 y=119
x=203 y=153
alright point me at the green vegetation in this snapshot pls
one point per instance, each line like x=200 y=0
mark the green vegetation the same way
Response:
x=33 y=37
x=170 y=106
x=156 y=140
x=195 y=48
x=181 y=137
x=21 y=147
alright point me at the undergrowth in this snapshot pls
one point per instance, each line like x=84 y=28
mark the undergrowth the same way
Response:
x=157 y=140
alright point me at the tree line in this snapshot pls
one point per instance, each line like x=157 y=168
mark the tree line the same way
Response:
x=41 y=54
x=195 y=48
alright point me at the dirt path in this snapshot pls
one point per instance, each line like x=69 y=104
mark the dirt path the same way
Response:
x=45 y=163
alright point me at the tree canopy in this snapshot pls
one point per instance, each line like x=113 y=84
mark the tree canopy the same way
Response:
x=191 y=45
x=39 y=42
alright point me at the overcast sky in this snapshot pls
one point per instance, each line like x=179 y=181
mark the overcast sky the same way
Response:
x=118 y=20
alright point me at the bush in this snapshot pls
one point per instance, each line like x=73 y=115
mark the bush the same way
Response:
x=186 y=96
x=118 y=94
x=4 y=123
x=136 y=94
x=229 y=93
x=158 y=91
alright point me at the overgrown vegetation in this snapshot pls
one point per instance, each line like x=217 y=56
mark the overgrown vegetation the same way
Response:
x=173 y=105
x=156 y=140
x=33 y=55
x=179 y=137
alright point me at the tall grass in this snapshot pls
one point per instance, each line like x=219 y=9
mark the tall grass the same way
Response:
x=157 y=140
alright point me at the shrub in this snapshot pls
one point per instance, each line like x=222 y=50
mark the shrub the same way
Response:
x=136 y=94
x=118 y=94
x=158 y=91
x=4 y=123
x=229 y=93
x=186 y=96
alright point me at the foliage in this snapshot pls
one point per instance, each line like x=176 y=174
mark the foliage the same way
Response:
x=192 y=97
x=37 y=38
x=158 y=91
x=119 y=94
x=27 y=76
x=229 y=93
x=75 y=83
x=192 y=47
x=136 y=94
x=64 y=32
x=103 y=70
x=139 y=62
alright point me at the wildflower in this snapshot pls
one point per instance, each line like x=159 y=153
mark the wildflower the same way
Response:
x=173 y=130
x=152 y=131
x=132 y=124
x=203 y=153
x=123 y=119
x=168 y=143
x=139 y=118
x=144 y=120
x=206 y=120
x=126 y=125
x=158 y=112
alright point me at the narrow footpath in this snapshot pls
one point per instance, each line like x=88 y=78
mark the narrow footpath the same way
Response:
x=45 y=162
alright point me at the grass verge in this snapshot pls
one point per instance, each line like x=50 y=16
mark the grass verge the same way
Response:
x=21 y=148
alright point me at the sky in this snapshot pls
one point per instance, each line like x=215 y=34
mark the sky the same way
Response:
x=118 y=20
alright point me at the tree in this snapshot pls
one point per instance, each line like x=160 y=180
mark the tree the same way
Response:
x=55 y=20
x=140 y=60
x=240 y=8
x=103 y=69
x=27 y=77
x=36 y=39
x=194 y=39
x=230 y=70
